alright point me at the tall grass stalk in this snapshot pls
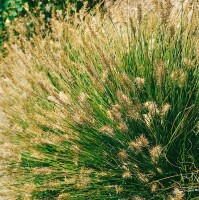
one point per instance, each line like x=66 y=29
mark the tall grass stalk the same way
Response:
x=102 y=107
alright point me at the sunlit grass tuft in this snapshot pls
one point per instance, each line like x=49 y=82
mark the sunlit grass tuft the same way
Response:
x=103 y=110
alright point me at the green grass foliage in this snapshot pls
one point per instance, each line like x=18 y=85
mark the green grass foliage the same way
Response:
x=104 y=109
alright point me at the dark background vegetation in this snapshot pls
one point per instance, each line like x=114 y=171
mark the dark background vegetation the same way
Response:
x=10 y=9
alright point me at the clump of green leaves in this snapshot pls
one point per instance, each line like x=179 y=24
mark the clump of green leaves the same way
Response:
x=9 y=10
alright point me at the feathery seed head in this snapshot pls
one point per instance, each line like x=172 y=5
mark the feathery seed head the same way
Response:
x=123 y=127
x=182 y=78
x=189 y=63
x=53 y=99
x=9 y=151
x=174 y=75
x=123 y=98
x=125 y=79
x=151 y=107
x=118 y=189
x=76 y=149
x=70 y=180
x=139 y=13
x=64 y=98
x=179 y=76
x=155 y=153
x=37 y=154
x=127 y=175
x=83 y=97
x=142 y=177
x=123 y=155
x=115 y=113
x=104 y=77
x=159 y=70
x=29 y=188
x=42 y=170
x=109 y=114
x=140 y=82
x=172 y=30
x=63 y=196
x=134 y=114
x=170 y=197
x=133 y=145
x=165 y=108
x=154 y=187
x=152 y=44
x=83 y=182
x=80 y=117
x=178 y=194
x=102 y=174
x=142 y=141
x=107 y=130
x=86 y=171
x=116 y=107
x=53 y=184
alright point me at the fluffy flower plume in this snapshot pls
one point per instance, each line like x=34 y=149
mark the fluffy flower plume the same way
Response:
x=126 y=175
x=165 y=108
x=155 y=153
x=107 y=130
x=151 y=107
x=140 y=82
x=123 y=155
x=139 y=143
x=64 y=98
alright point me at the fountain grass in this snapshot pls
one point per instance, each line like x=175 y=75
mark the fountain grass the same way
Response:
x=100 y=109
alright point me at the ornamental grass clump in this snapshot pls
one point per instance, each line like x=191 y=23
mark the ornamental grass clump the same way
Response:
x=95 y=111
